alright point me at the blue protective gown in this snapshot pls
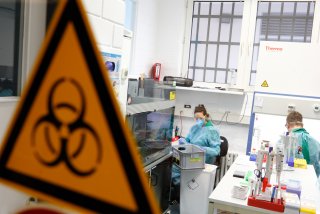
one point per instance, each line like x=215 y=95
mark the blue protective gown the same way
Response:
x=310 y=148
x=208 y=138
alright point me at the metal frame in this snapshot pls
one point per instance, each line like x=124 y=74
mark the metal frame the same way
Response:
x=232 y=16
x=17 y=45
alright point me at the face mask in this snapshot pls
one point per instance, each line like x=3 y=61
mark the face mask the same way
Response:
x=200 y=122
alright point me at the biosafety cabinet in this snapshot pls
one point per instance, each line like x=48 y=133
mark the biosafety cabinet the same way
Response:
x=150 y=114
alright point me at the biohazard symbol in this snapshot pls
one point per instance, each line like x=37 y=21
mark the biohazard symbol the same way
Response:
x=62 y=134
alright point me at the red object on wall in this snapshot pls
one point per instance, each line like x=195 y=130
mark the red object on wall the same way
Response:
x=156 y=71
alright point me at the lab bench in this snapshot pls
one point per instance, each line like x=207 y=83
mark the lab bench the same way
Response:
x=221 y=197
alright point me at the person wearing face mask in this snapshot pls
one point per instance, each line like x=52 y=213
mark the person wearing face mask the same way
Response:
x=204 y=134
x=308 y=147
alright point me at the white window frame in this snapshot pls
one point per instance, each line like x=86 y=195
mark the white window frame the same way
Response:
x=246 y=41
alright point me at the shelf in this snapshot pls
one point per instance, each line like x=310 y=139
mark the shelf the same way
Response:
x=9 y=99
x=156 y=162
x=211 y=90
x=151 y=106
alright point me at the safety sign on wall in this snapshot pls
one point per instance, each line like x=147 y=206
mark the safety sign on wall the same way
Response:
x=112 y=63
x=67 y=142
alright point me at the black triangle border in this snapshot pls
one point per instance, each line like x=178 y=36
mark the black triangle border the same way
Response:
x=71 y=12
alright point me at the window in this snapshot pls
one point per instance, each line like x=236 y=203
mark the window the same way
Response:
x=10 y=47
x=225 y=36
x=215 y=41
x=281 y=21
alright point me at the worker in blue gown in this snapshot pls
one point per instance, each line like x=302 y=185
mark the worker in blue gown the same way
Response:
x=308 y=148
x=203 y=134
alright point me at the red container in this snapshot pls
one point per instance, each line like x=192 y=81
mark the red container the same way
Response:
x=277 y=206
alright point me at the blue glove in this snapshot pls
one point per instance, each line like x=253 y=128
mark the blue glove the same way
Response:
x=182 y=140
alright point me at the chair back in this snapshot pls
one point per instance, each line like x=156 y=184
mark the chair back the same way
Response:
x=223 y=146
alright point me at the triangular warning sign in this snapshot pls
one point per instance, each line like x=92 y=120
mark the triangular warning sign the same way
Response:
x=67 y=142
x=265 y=84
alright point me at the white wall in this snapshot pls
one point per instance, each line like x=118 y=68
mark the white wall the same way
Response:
x=158 y=36
x=170 y=35
x=107 y=19
x=145 y=38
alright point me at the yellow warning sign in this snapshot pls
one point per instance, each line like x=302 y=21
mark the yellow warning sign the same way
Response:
x=67 y=142
x=265 y=84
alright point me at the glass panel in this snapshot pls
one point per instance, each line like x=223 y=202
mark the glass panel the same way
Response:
x=190 y=74
x=288 y=8
x=215 y=10
x=194 y=29
x=308 y=39
x=236 y=30
x=272 y=38
x=209 y=76
x=311 y=7
x=199 y=75
x=203 y=28
x=263 y=8
x=211 y=56
x=204 y=9
x=221 y=77
x=302 y=7
x=222 y=58
x=195 y=8
x=233 y=58
x=258 y=31
x=273 y=27
x=229 y=77
x=214 y=30
x=253 y=78
x=201 y=53
x=238 y=9
x=275 y=8
x=227 y=8
x=10 y=43
x=255 y=57
x=298 y=38
x=285 y=38
x=191 y=56
x=225 y=30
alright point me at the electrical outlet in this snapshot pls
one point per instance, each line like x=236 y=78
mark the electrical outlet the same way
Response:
x=291 y=107
x=316 y=107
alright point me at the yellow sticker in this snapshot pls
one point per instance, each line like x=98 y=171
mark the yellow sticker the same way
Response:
x=195 y=159
x=172 y=95
x=265 y=84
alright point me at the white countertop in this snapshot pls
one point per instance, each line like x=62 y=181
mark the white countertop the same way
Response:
x=222 y=193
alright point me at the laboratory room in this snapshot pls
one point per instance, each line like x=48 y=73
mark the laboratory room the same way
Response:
x=160 y=106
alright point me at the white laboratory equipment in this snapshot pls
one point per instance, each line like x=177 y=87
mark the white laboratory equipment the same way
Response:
x=195 y=187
